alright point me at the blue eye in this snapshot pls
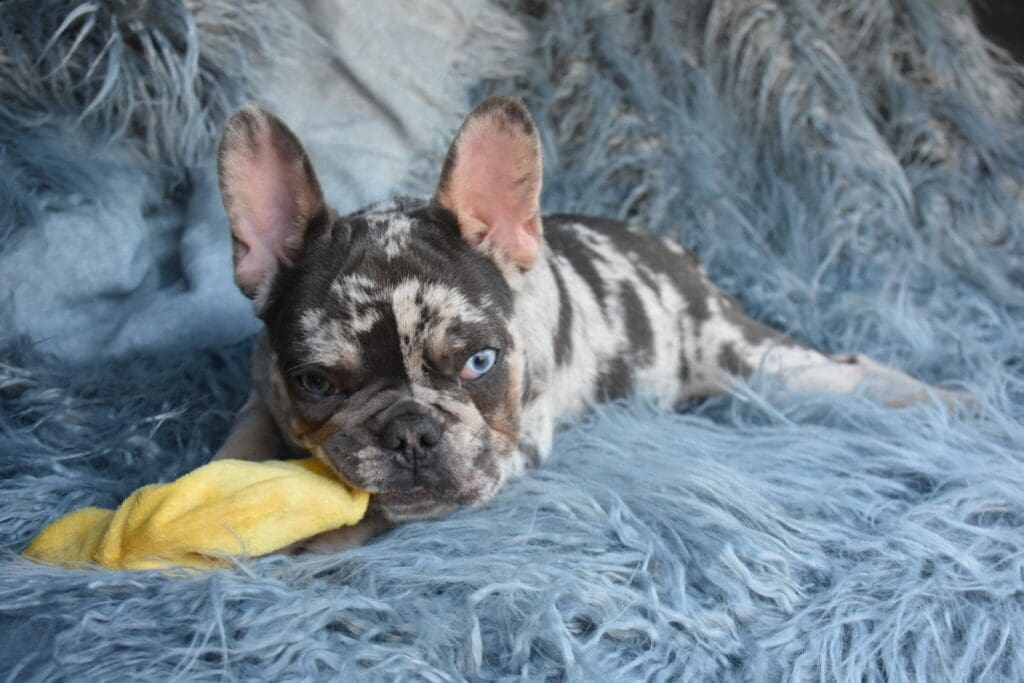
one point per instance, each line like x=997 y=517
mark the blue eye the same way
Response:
x=479 y=364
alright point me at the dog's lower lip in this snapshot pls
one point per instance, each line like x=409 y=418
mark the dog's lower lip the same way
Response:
x=402 y=497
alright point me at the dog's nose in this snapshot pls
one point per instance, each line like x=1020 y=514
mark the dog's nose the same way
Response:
x=413 y=438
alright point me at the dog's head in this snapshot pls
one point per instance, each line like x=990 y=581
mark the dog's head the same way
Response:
x=394 y=352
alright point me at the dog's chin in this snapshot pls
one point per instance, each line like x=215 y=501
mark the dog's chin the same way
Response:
x=404 y=506
x=422 y=503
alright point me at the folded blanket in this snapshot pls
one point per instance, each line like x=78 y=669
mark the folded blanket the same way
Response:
x=226 y=508
x=112 y=235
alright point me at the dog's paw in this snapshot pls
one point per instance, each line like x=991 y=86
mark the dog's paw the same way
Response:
x=337 y=540
x=898 y=390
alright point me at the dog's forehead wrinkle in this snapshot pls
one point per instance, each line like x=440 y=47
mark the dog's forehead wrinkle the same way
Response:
x=461 y=409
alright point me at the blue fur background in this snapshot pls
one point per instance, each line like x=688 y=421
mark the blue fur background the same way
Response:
x=851 y=170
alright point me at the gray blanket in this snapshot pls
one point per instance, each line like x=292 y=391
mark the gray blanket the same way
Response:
x=134 y=255
x=850 y=170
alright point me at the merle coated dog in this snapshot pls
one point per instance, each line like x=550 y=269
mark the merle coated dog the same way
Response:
x=426 y=349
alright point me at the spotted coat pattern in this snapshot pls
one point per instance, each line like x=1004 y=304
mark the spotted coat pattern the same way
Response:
x=390 y=301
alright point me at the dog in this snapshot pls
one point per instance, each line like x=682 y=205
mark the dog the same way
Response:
x=426 y=349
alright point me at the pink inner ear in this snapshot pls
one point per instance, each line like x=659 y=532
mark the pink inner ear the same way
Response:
x=494 y=189
x=269 y=199
x=265 y=211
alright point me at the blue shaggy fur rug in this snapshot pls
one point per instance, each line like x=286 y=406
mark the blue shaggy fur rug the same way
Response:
x=851 y=170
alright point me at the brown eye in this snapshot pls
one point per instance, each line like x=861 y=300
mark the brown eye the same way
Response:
x=315 y=384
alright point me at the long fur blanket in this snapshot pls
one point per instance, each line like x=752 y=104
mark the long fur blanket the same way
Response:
x=851 y=170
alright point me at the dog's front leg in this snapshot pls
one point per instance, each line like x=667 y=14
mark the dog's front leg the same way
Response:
x=341 y=538
x=254 y=435
x=536 y=434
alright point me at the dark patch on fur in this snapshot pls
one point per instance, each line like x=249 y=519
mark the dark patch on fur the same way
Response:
x=530 y=452
x=564 y=242
x=730 y=361
x=649 y=251
x=615 y=380
x=563 y=335
x=453 y=261
x=684 y=359
x=695 y=293
x=380 y=350
x=684 y=367
x=646 y=276
x=754 y=331
x=638 y=326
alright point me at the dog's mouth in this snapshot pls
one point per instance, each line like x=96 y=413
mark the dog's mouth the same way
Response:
x=404 y=495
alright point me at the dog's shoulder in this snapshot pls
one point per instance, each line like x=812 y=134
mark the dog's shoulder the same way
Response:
x=567 y=233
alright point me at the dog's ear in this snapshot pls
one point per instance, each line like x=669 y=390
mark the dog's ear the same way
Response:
x=491 y=181
x=270 y=193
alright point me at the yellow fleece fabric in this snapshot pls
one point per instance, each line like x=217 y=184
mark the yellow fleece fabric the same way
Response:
x=223 y=509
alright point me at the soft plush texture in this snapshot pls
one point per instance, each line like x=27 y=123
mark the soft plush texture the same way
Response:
x=115 y=238
x=851 y=171
x=224 y=509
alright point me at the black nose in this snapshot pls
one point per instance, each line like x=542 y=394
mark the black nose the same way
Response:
x=413 y=438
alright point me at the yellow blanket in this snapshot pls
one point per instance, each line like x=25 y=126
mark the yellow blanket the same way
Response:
x=226 y=508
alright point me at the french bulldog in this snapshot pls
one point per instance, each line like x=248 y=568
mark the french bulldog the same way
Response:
x=426 y=349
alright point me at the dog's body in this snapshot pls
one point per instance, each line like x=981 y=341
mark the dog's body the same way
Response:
x=426 y=349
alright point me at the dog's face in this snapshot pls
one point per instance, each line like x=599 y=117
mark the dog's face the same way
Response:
x=394 y=353
x=396 y=360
